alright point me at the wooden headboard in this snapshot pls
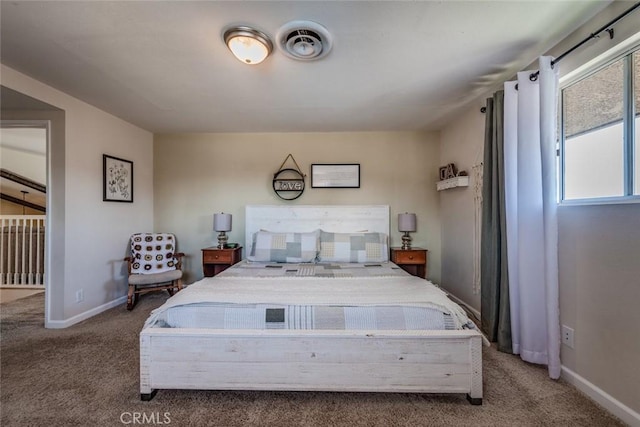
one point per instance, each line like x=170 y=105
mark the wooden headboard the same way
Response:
x=304 y=218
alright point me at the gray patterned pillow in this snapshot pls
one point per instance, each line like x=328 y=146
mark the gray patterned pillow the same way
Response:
x=284 y=247
x=353 y=247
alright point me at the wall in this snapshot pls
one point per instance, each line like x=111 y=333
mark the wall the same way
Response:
x=28 y=163
x=599 y=249
x=10 y=208
x=199 y=174
x=598 y=255
x=94 y=233
x=462 y=144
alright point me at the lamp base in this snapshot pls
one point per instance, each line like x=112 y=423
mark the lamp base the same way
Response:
x=406 y=241
x=222 y=240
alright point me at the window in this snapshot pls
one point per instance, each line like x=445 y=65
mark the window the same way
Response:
x=600 y=148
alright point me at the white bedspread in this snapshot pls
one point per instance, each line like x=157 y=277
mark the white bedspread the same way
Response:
x=404 y=291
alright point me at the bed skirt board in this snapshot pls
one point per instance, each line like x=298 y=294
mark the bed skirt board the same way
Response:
x=343 y=361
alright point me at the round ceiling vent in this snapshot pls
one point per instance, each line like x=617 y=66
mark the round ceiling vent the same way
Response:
x=304 y=40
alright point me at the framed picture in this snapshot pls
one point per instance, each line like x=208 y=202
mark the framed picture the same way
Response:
x=117 y=179
x=335 y=175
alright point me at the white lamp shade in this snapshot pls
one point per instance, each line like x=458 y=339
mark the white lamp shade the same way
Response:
x=248 y=44
x=407 y=222
x=222 y=222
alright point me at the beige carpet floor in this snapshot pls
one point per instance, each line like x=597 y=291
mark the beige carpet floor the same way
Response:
x=87 y=375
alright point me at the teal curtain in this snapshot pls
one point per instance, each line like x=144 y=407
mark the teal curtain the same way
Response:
x=495 y=307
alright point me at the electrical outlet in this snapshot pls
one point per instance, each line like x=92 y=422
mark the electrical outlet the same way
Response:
x=567 y=336
x=79 y=295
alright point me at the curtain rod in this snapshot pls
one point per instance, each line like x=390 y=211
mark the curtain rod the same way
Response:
x=607 y=27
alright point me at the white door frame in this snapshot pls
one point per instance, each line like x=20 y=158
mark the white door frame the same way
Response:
x=41 y=124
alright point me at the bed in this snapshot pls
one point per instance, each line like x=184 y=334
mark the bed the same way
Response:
x=328 y=325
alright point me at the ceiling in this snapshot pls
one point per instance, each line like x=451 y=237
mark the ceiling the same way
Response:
x=395 y=65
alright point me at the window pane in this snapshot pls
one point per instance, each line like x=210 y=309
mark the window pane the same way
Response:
x=636 y=88
x=594 y=164
x=593 y=132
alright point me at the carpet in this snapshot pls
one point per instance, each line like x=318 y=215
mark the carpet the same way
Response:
x=87 y=375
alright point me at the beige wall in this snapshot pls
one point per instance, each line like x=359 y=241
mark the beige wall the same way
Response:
x=95 y=233
x=196 y=175
x=462 y=144
x=599 y=249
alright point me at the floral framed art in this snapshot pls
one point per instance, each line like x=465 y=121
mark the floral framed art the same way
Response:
x=117 y=178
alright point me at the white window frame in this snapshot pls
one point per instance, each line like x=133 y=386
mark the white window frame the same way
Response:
x=623 y=50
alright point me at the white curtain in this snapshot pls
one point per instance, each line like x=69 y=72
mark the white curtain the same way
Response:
x=530 y=126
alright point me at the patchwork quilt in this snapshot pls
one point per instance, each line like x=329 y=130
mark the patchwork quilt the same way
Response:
x=249 y=295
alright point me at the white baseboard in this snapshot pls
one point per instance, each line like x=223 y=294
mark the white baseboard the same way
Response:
x=611 y=404
x=61 y=324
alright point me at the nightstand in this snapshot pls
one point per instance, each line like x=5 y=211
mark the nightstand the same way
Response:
x=413 y=261
x=215 y=260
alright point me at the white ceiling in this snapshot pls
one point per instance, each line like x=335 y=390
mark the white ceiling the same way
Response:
x=163 y=66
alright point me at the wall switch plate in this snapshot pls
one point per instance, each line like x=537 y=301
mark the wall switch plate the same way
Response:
x=567 y=336
x=79 y=295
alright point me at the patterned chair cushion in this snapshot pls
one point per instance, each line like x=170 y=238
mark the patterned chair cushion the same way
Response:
x=284 y=247
x=152 y=253
x=353 y=247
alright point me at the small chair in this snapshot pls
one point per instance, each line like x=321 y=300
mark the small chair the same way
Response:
x=153 y=265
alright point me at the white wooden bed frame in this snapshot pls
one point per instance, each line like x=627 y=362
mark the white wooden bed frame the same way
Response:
x=305 y=360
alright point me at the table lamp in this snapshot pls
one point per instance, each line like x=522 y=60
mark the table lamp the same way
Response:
x=222 y=223
x=406 y=223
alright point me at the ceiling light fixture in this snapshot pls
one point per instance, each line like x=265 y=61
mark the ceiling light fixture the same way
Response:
x=248 y=44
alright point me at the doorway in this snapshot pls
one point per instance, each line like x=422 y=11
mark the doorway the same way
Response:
x=23 y=205
x=18 y=109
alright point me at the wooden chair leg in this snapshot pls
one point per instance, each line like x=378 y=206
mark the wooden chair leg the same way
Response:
x=179 y=284
x=130 y=298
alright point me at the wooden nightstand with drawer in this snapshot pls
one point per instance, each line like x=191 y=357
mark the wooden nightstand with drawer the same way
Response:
x=413 y=261
x=215 y=260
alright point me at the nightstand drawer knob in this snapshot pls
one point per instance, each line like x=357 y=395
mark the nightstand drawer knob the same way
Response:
x=217 y=256
x=410 y=256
